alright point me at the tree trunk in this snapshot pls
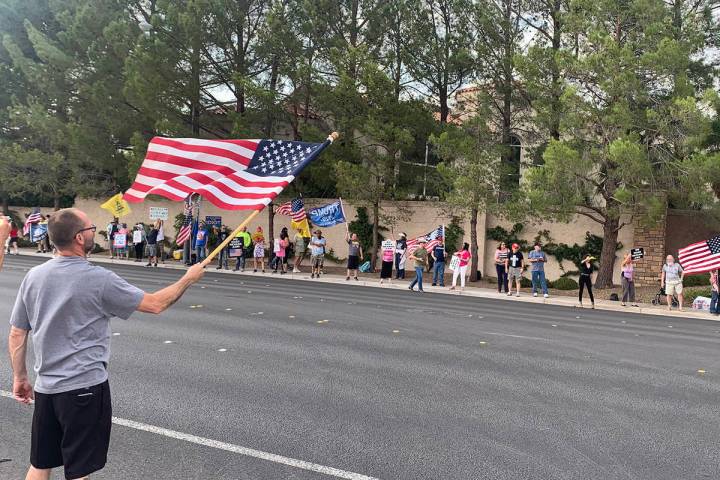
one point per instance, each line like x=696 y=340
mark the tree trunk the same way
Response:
x=270 y=119
x=56 y=201
x=607 y=256
x=376 y=226
x=444 y=108
x=473 y=244
x=556 y=84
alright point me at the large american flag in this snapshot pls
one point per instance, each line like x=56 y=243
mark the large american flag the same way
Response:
x=432 y=239
x=294 y=208
x=701 y=257
x=231 y=174
x=186 y=228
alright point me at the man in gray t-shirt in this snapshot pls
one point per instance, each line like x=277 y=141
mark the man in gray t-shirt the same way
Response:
x=67 y=304
x=671 y=279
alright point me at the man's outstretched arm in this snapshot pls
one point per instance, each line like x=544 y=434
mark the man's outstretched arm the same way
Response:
x=161 y=300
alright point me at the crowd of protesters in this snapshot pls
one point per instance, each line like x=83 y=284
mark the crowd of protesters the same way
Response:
x=283 y=253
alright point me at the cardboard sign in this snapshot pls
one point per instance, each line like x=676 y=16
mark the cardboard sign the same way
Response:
x=213 y=221
x=235 y=247
x=387 y=245
x=637 y=253
x=158 y=213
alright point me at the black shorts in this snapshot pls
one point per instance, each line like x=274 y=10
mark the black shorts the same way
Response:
x=72 y=429
x=353 y=262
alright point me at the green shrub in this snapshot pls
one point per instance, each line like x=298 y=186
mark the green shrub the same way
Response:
x=525 y=282
x=565 y=283
x=690 y=294
x=701 y=280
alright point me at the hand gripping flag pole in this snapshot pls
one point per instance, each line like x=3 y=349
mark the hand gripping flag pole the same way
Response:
x=331 y=138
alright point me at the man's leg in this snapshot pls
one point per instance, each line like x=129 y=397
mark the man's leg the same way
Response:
x=419 y=273
x=534 y=280
x=543 y=283
x=441 y=269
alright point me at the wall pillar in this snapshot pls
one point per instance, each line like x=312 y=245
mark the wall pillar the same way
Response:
x=652 y=239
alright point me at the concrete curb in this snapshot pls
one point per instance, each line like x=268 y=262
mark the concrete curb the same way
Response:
x=477 y=292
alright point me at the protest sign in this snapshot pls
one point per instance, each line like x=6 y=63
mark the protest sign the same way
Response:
x=158 y=213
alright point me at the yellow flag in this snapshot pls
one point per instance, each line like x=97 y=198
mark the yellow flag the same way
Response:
x=117 y=206
x=303 y=224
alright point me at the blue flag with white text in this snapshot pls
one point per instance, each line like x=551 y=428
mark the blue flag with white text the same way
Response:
x=327 y=215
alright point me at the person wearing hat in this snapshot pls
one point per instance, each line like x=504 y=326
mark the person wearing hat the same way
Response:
x=585 y=279
x=538 y=259
x=515 y=264
x=317 y=253
x=419 y=256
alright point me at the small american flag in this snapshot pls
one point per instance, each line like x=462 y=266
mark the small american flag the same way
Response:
x=34 y=217
x=701 y=257
x=295 y=209
x=230 y=174
x=433 y=239
x=186 y=228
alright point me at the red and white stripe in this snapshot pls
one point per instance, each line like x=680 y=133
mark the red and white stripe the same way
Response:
x=183 y=234
x=286 y=209
x=697 y=258
x=216 y=169
x=33 y=218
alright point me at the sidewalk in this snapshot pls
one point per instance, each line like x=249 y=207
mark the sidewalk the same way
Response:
x=374 y=281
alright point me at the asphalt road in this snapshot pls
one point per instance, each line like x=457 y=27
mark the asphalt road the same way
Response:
x=394 y=385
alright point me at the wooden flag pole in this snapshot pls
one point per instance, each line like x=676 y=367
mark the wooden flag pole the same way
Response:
x=347 y=224
x=332 y=137
x=234 y=234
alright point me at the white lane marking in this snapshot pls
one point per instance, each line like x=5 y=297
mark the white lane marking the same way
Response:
x=513 y=336
x=229 y=447
x=168 y=341
x=222 y=349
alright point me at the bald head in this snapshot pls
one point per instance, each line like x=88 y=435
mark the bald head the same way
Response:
x=64 y=226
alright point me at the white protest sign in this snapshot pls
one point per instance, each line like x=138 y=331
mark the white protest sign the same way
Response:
x=387 y=245
x=158 y=213
x=454 y=263
x=137 y=236
x=120 y=240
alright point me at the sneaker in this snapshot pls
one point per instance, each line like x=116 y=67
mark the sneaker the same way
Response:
x=534 y=294
x=312 y=275
x=452 y=288
x=347 y=278
x=255 y=271
x=295 y=270
x=517 y=294
x=592 y=305
x=579 y=305
x=356 y=279
x=149 y=264
x=546 y=295
x=433 y=285
x=218 y=267
x=509 y=294
x=410 y=288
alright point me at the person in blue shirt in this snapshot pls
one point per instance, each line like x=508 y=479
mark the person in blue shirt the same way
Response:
x=538 y=259
x=201 y=238
x=438 y=255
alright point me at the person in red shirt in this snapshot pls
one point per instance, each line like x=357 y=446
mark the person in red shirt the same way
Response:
x=461 y=270
x=13 y=240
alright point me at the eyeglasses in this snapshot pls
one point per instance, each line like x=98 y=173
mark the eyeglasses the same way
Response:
x=91 y=227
